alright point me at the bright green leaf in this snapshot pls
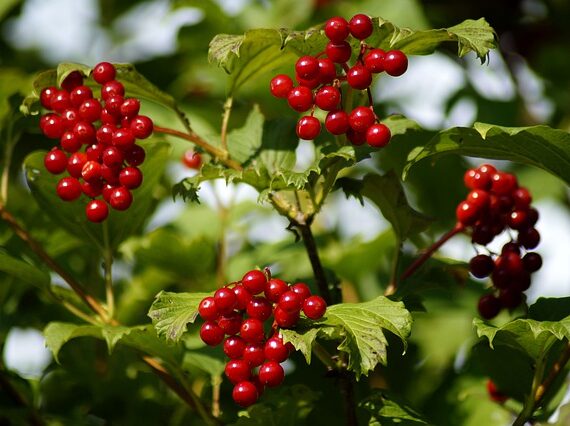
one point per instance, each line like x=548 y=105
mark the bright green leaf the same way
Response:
x=539 y=146
x=243 y=143
x=171 y=312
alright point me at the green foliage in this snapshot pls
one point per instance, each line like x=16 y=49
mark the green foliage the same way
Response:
x=386 y=410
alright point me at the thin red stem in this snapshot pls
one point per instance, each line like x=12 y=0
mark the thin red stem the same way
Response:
x=458 y=228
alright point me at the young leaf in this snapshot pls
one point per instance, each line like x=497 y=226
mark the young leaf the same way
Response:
x=539 y=146
x=358 y=327
x=171 y=312
x=386 y=409
x=526 y=335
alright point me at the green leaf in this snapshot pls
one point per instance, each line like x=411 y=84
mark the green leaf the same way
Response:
x=71 y=215
x=388 y=194
x=539 y=146
x=212 y=366
x=386 y=409
x=243 y=143
x=257 y=52
x=550 y=309
x=358 y=328
x=525 y=335
x=171 y=312
x=142 y=338
x=23 y=271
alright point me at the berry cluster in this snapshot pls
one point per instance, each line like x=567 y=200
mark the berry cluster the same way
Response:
x=97 y=141
x=497 y=203
x=247 y=344
x=320 y=79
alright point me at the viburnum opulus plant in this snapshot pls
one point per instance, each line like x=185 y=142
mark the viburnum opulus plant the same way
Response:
x=371 y=332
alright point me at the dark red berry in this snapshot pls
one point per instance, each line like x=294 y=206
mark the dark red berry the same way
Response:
x=314 y=307
x=361 y=118
x=532 y=261
x=338 y=52
x=271 y=374
x=68 y=189
x=211 y=334
x=74 y=79
x=359 y=77
x=374 y=61
x=92 y=189
x=327 y=71
x=104 y=72
x=378 y=135
x=300 y=98
x=234 y=347
x=135 y=155
x=285 y=319
x=207 y=309
x=503 y=183
x=481 y=265
x=360 y=26
x=280 y=86
x=254 y=281
x=337 y=122
x=309 y=83
x=252 y=330
x=55 y=161
x=327 y=98
x=479 y=199
x=274 y=289
x=245 y=394
x=474 y=179
x=230 y=323
x=290 y=301
x=529 y=238
x=52 y=126
x=337 y=29
x=254 y=355
x=466 y=213
x=307 y=67
x=522 y=198
x=518 y=219
x=120 y=198
x=225 y=300
x=356 y=138
x=96 y=211
x=308 y=127
x=395 y=63
x=489 y=306
x=260 y=308
x=275 y=349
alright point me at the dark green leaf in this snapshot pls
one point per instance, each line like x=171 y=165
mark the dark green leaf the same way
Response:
x=23 y=271
x=386 y=409
x=539 y=146
x=549 y=309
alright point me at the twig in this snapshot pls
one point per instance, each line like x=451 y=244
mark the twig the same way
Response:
x=458 y=228
x=393 y=284
x=347 y=389
x=227 y=112
x=108 y=268
x=318 y=271
x=220 y=154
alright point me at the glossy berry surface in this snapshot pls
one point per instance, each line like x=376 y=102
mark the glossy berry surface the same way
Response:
x=395 y=63
x=280 y=86
x=271 y=374
x=358 y=77
x=360 y=26
x=337 y=29
x=254 y=281
x=308 y=127
x=314 y=307
x=245 y=394
x=96 y=211
x=378 y=135
x=211 y=333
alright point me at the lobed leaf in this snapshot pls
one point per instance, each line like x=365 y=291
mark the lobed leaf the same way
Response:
x=539 y=146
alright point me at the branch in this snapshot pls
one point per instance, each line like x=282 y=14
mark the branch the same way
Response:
x=318 y=270
x=218 y=153
x=224 y=132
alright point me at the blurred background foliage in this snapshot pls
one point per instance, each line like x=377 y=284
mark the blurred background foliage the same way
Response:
x=525 y=83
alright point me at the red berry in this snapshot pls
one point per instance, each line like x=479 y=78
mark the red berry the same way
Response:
x=271 y=374
x=123 y=139
x=74 y=79
x=112 y=156
x=230 y=323
x=395 y=63
x=290 y=301
x=260 y=308
x=481 y=266
x=52 y=126
x=79 y=95
x=532 y=261
x=314 y=307
x=59 y=101
x=243 y=297
x=285 y=319
x=234 y=347
x=55 y=161
x=254 y=281
x=522 y=198
x=130 y=177
x=361 y=118
x=225 y=300
x=70 y=117
x=518 y=219
x=274 y=289
x=91 y=171
x=120 y=198
x=90 y=110
x=338 y=52
x=308 y=127
x=309 y=83
x=336 y=29
x=374 y=61
x=245 y=394
x=112 y=88
x=489 y=306
x=482 y=234
x=529 y=238
x=474 y=179
x=337 y=122
x=211 y=334
x=494 y=393
x=252 y=330
x=503 y=183
x=207 y=309
x=104 y=72
x=378 y=135
x=327 y=71
x=307 y=67
x=479 y=199
x=135 y=155
x=130 y=107
x=104 y=134
x=254 y=355
x=359 y=77
x=84 y=132
x=108 y=118
x=327 y=98
x=360 y=26
x=302 y=290
x=113 y=105
x=280 y=86
x=45 y=96
x=237 y=370
x=68 y=189
x=356 y=138
x=510 y=298
x=466 y=213
x=275 y=349
x=75 y=164
x=300 y=98
x=96 y=211
x=92 y=189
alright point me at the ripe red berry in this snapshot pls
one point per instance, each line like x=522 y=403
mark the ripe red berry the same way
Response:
x=130 y=107
x=510 y=298
x=482 y=234
x=260 y=308
x=474 y=179
x=104 y=72
x=55 y=161
x=230 y=323
x=302 y=290
x=361 y=118
x=314 y=307
x=503 y=183
x=336 y=29
x=79 y=95
x=45 y=96
x=489 y=306
x=52 y=126
x=280 y=86
x=481 y=266
x=338 y=52
x=135 y=155
x=234 y=347
x=529 y=238
x=518 y=219
x=378 y=135
x=374 y=61
x=307 y=67
x=327 y=71
x=123 y=138
x=243 y=297
x=75 y=164
x=466 y=213
x=359 y=77
x=91 y=171
x=120 y=198
x=395 y=63
x=207 y=309
x=96 y=211
x=84 y=132
x=271 y=374
x=211 y=334
x=309 y=83
x=300 y=98
x=252 y=330
x=274 y=289
x=356 y=138
x=308 y=127
x=112 y=156
x=290 y=301
x=522 y=198
x=254 y=281
x=59 y=101
x=360 y=26
x=245 y=394
x=494 y=393
x=285 y=319
x=225 y=300
x=337 y=122
x=254 y=355
x=90 y=110
x=327 y=98
x=68 y=189
x=479 y=199
x=130 y=177
x=275 y=349
x=112 y=88
x=532 y=261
